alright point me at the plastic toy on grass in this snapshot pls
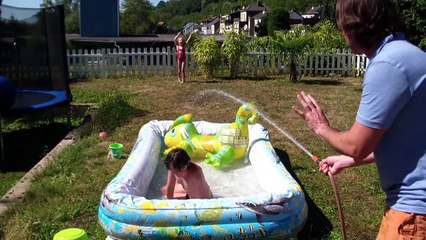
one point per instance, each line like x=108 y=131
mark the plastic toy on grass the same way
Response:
x=116 y=150
x=71 y=234
x=103 y=135
x=229 y=143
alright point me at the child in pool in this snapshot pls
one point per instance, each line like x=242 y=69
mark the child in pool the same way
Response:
x=181 y=57
x=185 y=179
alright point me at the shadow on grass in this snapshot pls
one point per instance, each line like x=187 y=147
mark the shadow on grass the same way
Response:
x=25 y=148
x=247 y=78
x=317 y=225
x=332 y=82
x=209 y=81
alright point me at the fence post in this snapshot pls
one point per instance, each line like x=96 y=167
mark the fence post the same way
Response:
x=168 y=65
x=138 y=61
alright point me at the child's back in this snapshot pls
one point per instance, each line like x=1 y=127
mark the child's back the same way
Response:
x=184 y=177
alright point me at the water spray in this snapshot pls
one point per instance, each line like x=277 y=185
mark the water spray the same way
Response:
x=299 y=145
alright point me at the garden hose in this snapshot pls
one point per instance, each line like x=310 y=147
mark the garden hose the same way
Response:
x=336 y=196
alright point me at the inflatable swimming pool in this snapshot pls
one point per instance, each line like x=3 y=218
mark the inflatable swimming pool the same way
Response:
x=254 y=198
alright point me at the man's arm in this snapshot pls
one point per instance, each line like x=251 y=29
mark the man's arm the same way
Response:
x=358 y=142
x=336 y=164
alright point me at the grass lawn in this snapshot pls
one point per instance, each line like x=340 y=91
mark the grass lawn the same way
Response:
x=67 y=194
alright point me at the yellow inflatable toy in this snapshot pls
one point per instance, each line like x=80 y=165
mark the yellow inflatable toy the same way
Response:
x=228 y=144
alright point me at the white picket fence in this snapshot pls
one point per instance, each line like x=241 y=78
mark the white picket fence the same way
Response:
x=162 y=61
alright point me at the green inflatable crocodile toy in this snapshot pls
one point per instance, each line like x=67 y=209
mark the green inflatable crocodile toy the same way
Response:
x=229 y=143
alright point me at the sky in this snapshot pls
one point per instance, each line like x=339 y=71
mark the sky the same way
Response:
x=36 y=3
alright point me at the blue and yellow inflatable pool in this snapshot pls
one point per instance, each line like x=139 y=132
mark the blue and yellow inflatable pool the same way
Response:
x=255 y=198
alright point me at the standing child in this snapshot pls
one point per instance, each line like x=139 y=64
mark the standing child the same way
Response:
x=181 y=57
x=185 y=179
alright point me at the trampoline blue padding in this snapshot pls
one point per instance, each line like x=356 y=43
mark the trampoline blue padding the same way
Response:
x=29 y=100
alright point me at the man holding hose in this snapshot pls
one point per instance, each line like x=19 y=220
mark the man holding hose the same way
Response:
x=390 y=126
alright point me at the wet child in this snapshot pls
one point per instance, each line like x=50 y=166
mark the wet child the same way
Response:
x=185 y=179
x=181 y=57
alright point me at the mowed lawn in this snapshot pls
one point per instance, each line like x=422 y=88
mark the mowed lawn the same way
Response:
x=67 y=194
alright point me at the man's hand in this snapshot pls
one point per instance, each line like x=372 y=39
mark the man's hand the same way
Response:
x=335 y=164
x=312 y=114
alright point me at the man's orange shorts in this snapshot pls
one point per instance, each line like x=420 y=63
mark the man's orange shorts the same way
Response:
x=402 y=226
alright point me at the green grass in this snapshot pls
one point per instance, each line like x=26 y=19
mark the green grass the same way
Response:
x=67 y=193
x=8 y=180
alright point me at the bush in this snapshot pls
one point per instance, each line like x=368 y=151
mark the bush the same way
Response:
x=234 y=48
x=114 y=108
x=208 y=56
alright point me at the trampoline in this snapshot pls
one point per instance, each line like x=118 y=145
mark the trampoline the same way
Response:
x=33 y=58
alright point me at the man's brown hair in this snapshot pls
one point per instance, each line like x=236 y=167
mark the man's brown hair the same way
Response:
x=369 y=20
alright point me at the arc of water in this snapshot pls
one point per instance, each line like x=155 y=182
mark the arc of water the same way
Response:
x=266 y=118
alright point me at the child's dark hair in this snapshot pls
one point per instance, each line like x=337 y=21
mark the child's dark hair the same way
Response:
x=177 y=159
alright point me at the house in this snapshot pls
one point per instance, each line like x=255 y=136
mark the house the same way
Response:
x=245 y=19
x=295 y=19
x=313 y=16
x=242 y=20
x=227 y=22
x=258 y=18
x=247 y=16
x=210 y=26
x=189 y=27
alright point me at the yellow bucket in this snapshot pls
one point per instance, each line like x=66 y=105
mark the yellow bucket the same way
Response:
x=71 y=234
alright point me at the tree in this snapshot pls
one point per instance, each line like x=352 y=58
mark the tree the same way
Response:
x=277 y=19
x=289 y=45
x=414 y=12
x=294 y=43
x=329 y=11
x=296 y=5
x=135 y=17
x=71 y=11
x=262 y=28
x=326 y=37
x=233 y=49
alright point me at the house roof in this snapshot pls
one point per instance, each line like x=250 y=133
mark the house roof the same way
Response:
x=188 y=25
x=213 y=21
x=295 y=16
x=137 y=39
x=314 y=10
x=129 y=39
x=259 y=15
x=208 y=20
x=256 y=7
x=234 y=14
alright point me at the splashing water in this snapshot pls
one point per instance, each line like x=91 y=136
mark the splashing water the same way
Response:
x=266 y=118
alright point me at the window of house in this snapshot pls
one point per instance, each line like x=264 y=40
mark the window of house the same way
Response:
x=243 y=16
x=236 y=25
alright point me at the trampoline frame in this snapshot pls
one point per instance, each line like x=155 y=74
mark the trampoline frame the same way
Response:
x=54 y=82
